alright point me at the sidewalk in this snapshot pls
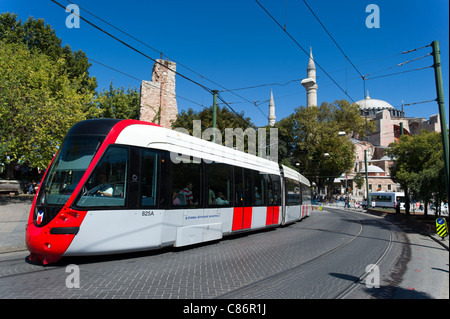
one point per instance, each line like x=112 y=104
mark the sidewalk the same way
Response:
x=14 y=212
x=416 y=267
x=418 y=226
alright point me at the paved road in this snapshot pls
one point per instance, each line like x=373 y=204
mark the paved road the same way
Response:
x=323 y=256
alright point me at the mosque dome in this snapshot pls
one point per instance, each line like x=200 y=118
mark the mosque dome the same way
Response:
x=373 y=170
x=374 y=104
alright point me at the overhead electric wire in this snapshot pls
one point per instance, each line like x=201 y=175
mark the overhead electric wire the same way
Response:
x=141 y=42
x=134 y=49
x=397 y=65
x=116 y=70
x=232 y=90
x=262 y=85
x=339 y=47
x=150 y=83
x=193 y=71
x=237 y=114
x=396 y=73
x=414 y=103
x=298 y=44
x=145 y=55
x=409 y=51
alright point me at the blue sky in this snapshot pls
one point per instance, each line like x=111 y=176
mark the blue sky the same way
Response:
x=236 y=44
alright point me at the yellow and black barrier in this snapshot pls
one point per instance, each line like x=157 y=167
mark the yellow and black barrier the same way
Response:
x=441 y=227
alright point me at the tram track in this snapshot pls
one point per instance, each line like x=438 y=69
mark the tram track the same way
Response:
x=340 y=236
x=364 y=275
x=8 y=252
x=242 y=291
x=14 y=265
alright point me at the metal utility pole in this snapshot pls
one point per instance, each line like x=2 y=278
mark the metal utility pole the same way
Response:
x=367 y=181
x=214 y=114
x=440 y=100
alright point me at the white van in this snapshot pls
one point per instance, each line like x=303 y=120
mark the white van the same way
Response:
x=385 y=199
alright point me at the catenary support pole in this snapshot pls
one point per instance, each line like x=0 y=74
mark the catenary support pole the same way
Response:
x=214 y=114
x=441 y=104
x=367 y=181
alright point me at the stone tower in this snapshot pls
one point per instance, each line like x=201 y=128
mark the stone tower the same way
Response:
x=310 y=83
x=271 y=110
x=158 y=100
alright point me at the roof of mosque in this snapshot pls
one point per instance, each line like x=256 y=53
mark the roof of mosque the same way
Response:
x=373 y=104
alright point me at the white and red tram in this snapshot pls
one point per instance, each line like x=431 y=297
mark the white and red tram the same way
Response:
x=124 y=185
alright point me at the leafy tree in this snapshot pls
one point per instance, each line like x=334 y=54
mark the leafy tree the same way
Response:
x=359 y=180
x=311 y=137
x=38 y=105
x=40 y=38
x=227 y=122
x=118 y=103
x=45 y=88
x=419 y=166
x=225 y=119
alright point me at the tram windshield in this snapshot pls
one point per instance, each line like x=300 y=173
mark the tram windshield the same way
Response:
x=69 y=166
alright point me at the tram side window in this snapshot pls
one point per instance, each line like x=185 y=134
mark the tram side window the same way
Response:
x=238 y=186
x=306 y=194
x=106 y=187
x=259 y=189
x=293 y=196
x=187 y=184
x=149 y=175
x=219 y=184
x=276 y=182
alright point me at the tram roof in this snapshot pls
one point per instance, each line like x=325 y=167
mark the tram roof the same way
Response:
x=161 y=138
x=293 y=174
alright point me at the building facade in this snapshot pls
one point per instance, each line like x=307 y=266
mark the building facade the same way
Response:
x=390 y=124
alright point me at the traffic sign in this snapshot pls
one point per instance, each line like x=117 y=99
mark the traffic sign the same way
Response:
x=441 y=227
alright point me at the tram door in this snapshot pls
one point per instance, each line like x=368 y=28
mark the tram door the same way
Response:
x=274 y=197
x=242 y=213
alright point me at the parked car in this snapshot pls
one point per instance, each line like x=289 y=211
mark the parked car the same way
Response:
x=9 y=186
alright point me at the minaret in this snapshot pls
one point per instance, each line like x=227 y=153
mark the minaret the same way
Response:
x=309 y=83
x=271 y=110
